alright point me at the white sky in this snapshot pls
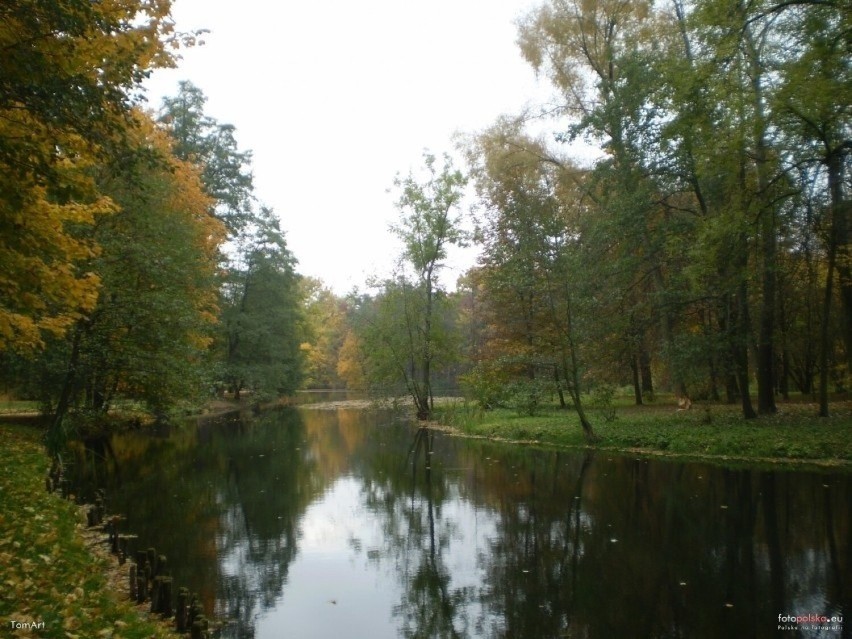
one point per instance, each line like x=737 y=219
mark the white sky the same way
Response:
x=334 y=98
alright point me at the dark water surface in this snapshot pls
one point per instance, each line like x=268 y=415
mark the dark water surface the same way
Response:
x=322 y=524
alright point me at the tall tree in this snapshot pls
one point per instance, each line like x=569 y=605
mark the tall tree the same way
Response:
x=814 y=110
x=69 y=72
x=404 y=333
x=147 y=337
x=202 y=140
x=528 y=269
x=262 y=325
x=594 y=53
x=261 y=315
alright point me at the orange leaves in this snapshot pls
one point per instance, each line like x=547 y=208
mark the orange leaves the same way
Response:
x=66 y=72
x=40 y=286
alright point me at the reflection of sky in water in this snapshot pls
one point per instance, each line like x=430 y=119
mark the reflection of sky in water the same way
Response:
x=318 y=525
x=345 y=581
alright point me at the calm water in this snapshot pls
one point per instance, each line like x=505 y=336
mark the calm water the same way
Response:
x=307 y=523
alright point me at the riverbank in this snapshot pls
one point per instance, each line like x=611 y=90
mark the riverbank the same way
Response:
x=54 y=582
x=709 y=432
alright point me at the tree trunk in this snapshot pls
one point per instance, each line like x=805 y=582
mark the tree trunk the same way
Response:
x=645 y=372
x=740 y=350
x=637 y=385
x=56 y=434
x=824 y=338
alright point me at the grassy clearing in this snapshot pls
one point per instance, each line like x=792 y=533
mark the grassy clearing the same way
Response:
x=795 y=434
x=16 y=406
x=47 y=573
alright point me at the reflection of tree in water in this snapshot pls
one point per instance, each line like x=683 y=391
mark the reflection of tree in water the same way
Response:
x=526 y=544
x=267 y=489
x=530 y=585
x=430 y=608
x=416 y=537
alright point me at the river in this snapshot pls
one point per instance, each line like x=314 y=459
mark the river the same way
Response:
x=303 y=523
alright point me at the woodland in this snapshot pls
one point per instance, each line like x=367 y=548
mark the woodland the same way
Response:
x=705 y=253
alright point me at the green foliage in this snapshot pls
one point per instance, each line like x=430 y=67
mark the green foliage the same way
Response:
x=261 y=320
x=794 y=434
x=487 y=385
x=702 y=247
x=602 y=399
x=408 y=330
x=200 y=139
x=157 y=260
x=262 y=317
x=526 y=396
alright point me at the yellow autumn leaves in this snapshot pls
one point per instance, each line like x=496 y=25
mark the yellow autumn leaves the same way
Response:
x=66 y=75
x=46 y=573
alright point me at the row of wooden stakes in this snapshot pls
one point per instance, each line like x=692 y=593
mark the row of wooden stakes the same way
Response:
x=149 y=578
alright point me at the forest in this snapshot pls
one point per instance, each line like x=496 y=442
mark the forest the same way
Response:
x=705 y=253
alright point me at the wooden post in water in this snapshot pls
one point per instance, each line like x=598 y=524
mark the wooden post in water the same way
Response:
x=99 y=510
x=152 y=561
x=133 y=584
x=122 y=545
x=155 y=593
x=182 y=610
x=113 y=533
x=141 y=587
x=197 y=623
x=141 y=579
x=165 y=606
x=199 y=629
x=194 y=608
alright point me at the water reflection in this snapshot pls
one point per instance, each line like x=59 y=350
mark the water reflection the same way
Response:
x=322 y=523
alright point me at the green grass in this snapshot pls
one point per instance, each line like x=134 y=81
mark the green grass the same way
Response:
x=795 y=434
x=14 y=406
x=47 y=574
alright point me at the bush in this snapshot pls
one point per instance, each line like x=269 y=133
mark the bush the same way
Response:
x=527 y=396
x=602 y=397
x=485 y=385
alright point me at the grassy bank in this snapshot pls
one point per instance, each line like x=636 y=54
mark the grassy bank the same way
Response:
x=48 y=575
x=712 y=431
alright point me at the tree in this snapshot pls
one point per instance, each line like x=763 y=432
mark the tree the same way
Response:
x=596 y=54
x=261 y=317
x=200 y=139
x=147 y=335
x=813 y=107
x=261 y=314
x=530 y=269
x=68 y=77
x=325 y=326
x=405 y=334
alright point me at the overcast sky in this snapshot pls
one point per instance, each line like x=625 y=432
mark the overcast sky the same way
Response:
x=334 y=98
